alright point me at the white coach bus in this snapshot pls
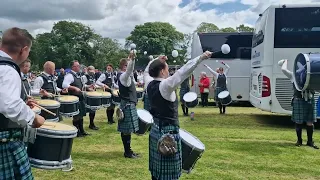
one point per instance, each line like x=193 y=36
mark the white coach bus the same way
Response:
x=238 y=77
x=281 y=32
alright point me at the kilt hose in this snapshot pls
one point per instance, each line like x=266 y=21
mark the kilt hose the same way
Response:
x=219 y=90
x=146 y=102
x=130 y=122
x=82 y=109
x=303 y=111
x=14 y=158
x=162 y=167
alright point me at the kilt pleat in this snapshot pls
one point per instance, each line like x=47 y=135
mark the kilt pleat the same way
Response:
x=14 y=159
x=146 y=102
x=303 y=111
x=130 y=122
x=162 y=167
x=182 y=92
x=219 y=90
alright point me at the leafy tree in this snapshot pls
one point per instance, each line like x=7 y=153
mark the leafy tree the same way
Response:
x=228 y=29
x=207 y=28
x=243 y=28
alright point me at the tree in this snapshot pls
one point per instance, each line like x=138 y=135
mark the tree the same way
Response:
x=228 y=29
x=156 y=38
x=243 y=28
x=207 y=28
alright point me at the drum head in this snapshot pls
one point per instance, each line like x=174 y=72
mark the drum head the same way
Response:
x=106 y=94
x=48 y=103
x=191 y=140
x=144 y=115
x=68 y=99
x=301 y=71
x=139 y=89
x=223 y=94
x=190 y=96
x=57 y=126
x=94 y=94
x=115 y=92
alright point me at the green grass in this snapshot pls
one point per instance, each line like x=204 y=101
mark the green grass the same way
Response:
x=246 y=143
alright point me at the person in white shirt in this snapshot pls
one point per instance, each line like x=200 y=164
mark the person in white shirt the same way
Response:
x=15 y=114
x=164 y=109
x=26 y=87
x=140 y=79
x=147 y=79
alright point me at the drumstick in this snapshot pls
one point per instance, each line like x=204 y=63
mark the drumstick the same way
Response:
x=42 y=108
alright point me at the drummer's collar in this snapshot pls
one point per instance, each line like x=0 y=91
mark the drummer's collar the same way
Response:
x=46 y=74
x=158 y=79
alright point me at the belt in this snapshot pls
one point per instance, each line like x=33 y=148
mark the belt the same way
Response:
x=10 y=138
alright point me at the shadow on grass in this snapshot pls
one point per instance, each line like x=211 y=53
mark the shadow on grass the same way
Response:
x=94 y=156
x=274 y=120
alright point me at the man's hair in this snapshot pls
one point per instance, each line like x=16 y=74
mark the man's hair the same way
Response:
x=24 y=62
x=123 y=61
x=90 y=68
x=14 y=39
x=72 y=62
x=155 y=67
x=110 y=65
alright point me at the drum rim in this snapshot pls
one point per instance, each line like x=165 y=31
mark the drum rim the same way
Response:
x=222 y=92
x=51 y=106
x=143 y=110
x=68 y=102
x=189 y=93
x=90 y=96
x=308 y=72
x=204 y=147
x=68 y=132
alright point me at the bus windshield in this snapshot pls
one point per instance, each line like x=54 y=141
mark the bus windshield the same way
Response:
x=297 y=28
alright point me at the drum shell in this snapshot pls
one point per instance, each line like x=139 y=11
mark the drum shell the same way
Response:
x=49 y=117
x=93 y=101
x=116 y=100
x=105 y=101
x=226 y=101
x=190 y=156
x=67 y=108
x=143 y=127
x=192 y=104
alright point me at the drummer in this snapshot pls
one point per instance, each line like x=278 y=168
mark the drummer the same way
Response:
x=184 y=88
x=73 y=82
x=221 y=78
x=302 y=111
x=26 y=88
x=107 y=82
x=89 y=80
x=130 y=123
x=147 y=79
x=164 y=108
x=15 y=113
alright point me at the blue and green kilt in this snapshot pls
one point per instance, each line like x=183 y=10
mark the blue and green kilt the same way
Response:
x=303 y=111
x=130 y=122
x=14 y=158
x=219 y=90
x=182 y=92
x=162 y=167
x=146 y=102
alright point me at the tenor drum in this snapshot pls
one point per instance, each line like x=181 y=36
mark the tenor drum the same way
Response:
x=225 y=98
x=52 y=106
x=191 y=99
x=106 y=99
x=52 y=146
x=139 y=93
x=36 y=110
x=192 y=150
x=115 y=97
x=145 y=121
x=93 y=100
x=69 y=105
x=306 y=72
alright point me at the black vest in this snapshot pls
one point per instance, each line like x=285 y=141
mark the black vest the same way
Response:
x=91 y=79
x=161 y=108
x=108 y=80
x=222 y=81
x=127 y=93
x=48 y=84
x=76 y=83
x=25 y=89
x=6 y=123
x=296 y=93
x=60 y=81
x=185 y=85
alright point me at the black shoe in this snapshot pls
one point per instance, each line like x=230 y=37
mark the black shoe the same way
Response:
x=311 y=144
x=80 y=134
x=85 y=133
x=185 y=114
x=131 y=155
x=110 y=122
x=298 y=143
x=93 y=127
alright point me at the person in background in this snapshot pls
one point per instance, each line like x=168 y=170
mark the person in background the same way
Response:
x=135 y=75
x=97 y=74
x=140 y=79
x=24 y=69
x=184 y=88
x=204 y=88
x=60 y=78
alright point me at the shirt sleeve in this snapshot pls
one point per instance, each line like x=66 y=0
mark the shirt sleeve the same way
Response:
x=68 y=79
x=169 y=85
x=227 y=68
x=146 y=76
x=11 y=105
x=215 y=74
x=125 y=78
x=38 y=83
x=101 y=78
x=286 y=72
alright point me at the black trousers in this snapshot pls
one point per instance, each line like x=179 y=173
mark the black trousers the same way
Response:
x=204 y=99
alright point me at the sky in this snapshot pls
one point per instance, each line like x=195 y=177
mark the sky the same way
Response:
x=117 y=18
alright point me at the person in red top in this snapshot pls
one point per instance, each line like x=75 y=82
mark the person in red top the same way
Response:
x=204 y=88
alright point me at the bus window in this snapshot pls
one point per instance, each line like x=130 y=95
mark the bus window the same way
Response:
x=240 y=44
x=258 y=35
x=297 y=28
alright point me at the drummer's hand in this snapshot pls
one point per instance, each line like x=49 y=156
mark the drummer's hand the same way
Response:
x=65 y=91
x=44 y=93
x=106 y=87
x=200 y=84
x=163 y=58
x=132 y=55
x=38 y=121
x=30 y=102
x=90 y=89
x=77 y=90
x=206 y=55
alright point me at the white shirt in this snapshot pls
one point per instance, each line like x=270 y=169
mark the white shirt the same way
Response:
x=68 y=79
x=11 y=105
x=146 y=77
x=168 y=86
x=85 y=80
x=216 y=75
x=103 y=78
x=286 y=72
x=38 y=83
x=127 y=77
x=140 y=78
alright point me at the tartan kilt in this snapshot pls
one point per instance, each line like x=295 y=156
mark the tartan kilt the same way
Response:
x=82 y=109
x=146 y=102
x=303 y=111
x=219 y=90
x=14 y=158
x=162 y=167
x=182 y=92
x=130 y=122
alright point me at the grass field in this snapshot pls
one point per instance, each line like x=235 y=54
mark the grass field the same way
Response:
x=246 y=143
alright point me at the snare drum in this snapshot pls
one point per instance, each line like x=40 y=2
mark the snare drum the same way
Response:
x=192 y=150
x=145 y=121
x=93 y=100
x=52 y=106
x=306 y=72
x=52 y=146
x=139 y=93
x=191 y=99
x=115 y=97
x=36 y=110
x=106 y=99
x=69 y=105
x=225 y=98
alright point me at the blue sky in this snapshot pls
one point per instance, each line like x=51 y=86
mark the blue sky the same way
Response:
x=228 y=7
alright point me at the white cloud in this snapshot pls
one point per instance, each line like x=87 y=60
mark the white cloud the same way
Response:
x=217 y=2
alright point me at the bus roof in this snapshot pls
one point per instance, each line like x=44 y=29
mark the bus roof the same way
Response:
x=227 y=33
